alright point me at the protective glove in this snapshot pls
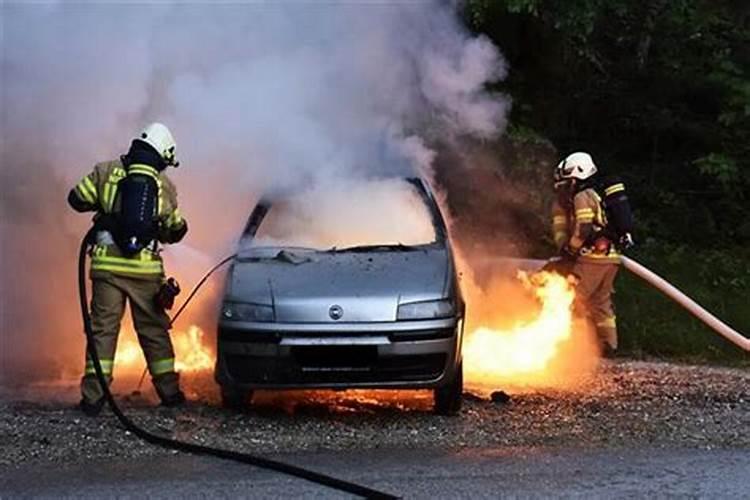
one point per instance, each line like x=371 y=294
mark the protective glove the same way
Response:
x=627 y=241
x=563 y=263
x=168 y=291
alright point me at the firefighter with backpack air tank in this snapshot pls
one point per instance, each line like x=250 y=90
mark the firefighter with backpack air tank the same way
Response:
x=136 y=210
x=592 y=223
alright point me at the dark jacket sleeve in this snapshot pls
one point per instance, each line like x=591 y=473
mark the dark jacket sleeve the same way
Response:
x=79 y=205
x=173 y=234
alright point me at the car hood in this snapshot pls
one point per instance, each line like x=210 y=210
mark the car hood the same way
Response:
x=369 y=286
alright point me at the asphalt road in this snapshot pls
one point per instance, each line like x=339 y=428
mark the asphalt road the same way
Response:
x=633 y=430
x=469 y=473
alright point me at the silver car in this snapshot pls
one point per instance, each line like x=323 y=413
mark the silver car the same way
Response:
x=300 y=312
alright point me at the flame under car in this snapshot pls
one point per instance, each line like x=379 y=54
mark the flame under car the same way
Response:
x=359 y=295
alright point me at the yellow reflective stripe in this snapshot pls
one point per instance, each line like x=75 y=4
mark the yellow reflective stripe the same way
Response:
x=110 y=189
x=161 y=366
x=558 y=220
x=600 y=219
x=124 y=269
x=600 y=256
x=138 y=168
x=611 y=258
x=137 y=264
x=112 y=195
x=105 y=362
x=86 y=181
x=134 y=264
x=608 y=323
x=142 y=264
x=560 y=236
x=585 y=215
x=145 y=254
x=616 y=188
x=106 y=365
x=107 y=197
x=174 y=219
x=84 y=195
x=159 y=198
x=87 y=190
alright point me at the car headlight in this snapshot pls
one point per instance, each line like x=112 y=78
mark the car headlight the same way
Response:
x=431 y=309
x=239 y=311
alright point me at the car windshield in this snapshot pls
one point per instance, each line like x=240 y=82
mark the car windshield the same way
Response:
x=365 y=215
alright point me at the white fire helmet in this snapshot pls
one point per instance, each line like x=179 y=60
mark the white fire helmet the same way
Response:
x=576 y=166
x=159 y=137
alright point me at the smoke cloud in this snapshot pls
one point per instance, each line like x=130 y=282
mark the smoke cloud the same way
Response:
x=261 y=97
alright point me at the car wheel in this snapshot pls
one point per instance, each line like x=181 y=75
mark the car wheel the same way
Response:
x=449 y=397
x=233 y=398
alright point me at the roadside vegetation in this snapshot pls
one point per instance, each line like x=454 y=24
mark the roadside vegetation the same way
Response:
x=659 y=92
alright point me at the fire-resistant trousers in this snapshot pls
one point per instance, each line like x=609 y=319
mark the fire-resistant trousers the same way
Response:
x=151 y=323
x=594 y=293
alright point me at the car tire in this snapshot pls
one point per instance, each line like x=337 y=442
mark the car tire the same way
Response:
x=233 y=398
x=449 y=397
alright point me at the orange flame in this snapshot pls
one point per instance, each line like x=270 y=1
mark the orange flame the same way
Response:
x=537 y=348
x=128 y=354
x=521 y=334
x=191 y=355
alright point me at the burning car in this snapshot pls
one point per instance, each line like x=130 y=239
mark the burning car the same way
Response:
x=348 y=287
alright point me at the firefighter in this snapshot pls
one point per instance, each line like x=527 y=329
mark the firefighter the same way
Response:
x=120 y=274
x=584 y=241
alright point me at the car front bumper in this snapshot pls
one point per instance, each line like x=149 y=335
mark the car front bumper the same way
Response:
x=402 y=354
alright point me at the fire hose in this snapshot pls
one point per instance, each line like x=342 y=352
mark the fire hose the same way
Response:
x=670 y=291
x=184 y=446
x=184 y=305
x=686 y=302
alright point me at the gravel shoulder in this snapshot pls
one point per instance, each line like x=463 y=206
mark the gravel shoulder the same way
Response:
x=628 y=404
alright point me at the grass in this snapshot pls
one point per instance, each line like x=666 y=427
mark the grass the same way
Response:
x=651 y=325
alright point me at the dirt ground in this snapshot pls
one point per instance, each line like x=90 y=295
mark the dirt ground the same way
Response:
x=626 y=404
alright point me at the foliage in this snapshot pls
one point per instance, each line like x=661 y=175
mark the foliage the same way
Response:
x=656 y=89
x=652 y=325
x=659 y=92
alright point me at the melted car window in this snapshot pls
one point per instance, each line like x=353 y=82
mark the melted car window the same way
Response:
x=382 y=212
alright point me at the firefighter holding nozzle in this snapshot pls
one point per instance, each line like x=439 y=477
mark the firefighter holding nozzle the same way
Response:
x=592 y=223
x=136 y=210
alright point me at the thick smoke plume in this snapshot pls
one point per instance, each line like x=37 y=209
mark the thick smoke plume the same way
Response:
x=262 y=98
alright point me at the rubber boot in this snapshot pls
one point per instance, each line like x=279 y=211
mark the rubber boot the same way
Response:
x=173 y=400
x=91 y=409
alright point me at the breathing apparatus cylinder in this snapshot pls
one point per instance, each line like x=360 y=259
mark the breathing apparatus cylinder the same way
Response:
x=135 y=214
x=189 y=447
x=617 y=207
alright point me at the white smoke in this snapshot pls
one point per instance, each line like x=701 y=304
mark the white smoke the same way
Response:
x=260 y=97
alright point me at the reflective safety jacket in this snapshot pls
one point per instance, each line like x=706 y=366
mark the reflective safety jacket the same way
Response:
x=97 y=191
x=578 y=225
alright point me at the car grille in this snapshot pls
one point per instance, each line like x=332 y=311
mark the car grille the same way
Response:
x=335 y=364
x=261 y=337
